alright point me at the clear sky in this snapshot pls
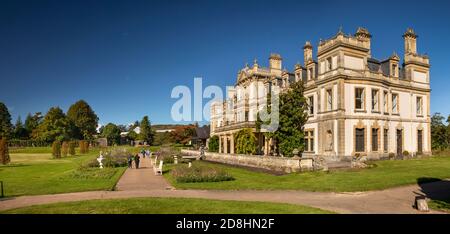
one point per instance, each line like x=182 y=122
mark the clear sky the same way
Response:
x=124 y=57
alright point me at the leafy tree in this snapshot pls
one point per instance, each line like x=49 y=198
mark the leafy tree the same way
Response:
x=182 y=134
x=64 y=149
x=146 y=133
x=162 y=138
x=213 y=144
x=246 y=142
x=5 y=121
x=112 y=133
x=54 y=127
x=84 y=119
x=292 y=118
x=4 y=152
x=32 y=122
x=56 y=149
x=132 y=135
x=19 y=130
x=439 y=132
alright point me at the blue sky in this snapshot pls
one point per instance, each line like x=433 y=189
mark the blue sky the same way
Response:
x=124 y=57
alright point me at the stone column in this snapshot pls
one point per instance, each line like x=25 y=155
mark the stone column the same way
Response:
x=220 y=144
x=231 y=144
x=225 y=144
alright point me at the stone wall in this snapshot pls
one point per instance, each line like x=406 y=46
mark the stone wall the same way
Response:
x=272 y=163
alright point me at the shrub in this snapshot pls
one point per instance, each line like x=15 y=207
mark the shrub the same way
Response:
x=405 y=153
x=56 y=149
x=166 y=154
x=64 y=149
x=84 y=147
x=72 y=148
x=92 y=173
x=245 y=141
x=391 y=155
x=213 y=144
x=197 y=173
x=4 y=152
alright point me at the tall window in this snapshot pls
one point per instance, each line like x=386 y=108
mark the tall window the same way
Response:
x=419 y=106
x=385 y=140
x=374 y=139
x=311 y=105
x=310 y=74
x=419 y=142
x=395 y=103
x=329 y=99
x=329 y=64
x=309 y=140
x=375 y=100
x=359 y=98
x=359 y=140
x=385 y=102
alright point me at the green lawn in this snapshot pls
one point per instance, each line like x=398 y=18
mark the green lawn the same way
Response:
x=33 y=173
x=442 y=205
x=166 y=206
x=383 y=174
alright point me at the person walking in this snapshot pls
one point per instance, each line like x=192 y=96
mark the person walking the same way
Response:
x=130 y=161
x=137 y=160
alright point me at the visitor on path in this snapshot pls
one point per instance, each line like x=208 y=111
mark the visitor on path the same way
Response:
x=130 y=161
x=136 y=161
x=143 y=153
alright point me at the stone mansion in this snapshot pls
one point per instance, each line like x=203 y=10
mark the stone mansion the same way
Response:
x=358 y=105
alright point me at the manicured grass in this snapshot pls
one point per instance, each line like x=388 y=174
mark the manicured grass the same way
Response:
x=383 y=174
x=442 y=205
x=166 y=206
x=38 y=173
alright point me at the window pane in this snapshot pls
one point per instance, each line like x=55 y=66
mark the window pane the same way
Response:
x=374 y=139
x=359 y=140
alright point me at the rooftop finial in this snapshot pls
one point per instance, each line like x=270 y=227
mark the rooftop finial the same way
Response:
x=410 y=33
x=340 y=31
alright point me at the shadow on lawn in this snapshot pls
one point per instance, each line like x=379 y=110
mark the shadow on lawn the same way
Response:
x=433 y=188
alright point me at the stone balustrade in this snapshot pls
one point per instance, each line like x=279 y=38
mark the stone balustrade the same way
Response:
x=273 y=163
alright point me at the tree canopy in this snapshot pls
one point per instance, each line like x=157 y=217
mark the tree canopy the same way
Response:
x=146 y=133
x=84 y=119
x=112 y=133
x=55 y=126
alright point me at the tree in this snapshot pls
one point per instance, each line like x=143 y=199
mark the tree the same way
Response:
x=5 y=121
x=182 y=134
x=213 y=144
x=32 y=122
x=4 y=152
x=439 y=132
x=245 y=141
x=132 y=135
x=19 y=130
x=146 y=133
x=56 y=149
x=55 y=126
x=84 y=119
x=112 y=133
x=292 y=118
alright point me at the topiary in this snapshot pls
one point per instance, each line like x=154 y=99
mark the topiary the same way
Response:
x=56 y=149
x=72 y=148
x=4 y=152
x=64 y=149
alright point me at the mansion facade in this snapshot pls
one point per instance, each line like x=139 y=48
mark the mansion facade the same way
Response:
x=358 y=105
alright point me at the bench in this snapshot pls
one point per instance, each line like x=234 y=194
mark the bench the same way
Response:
x=158 y=170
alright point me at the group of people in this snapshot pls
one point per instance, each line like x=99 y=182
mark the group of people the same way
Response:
x=137 y=158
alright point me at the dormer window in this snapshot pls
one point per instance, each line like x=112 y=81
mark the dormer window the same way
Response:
x=394 y=70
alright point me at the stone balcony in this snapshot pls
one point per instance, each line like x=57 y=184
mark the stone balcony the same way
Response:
x=235 y=126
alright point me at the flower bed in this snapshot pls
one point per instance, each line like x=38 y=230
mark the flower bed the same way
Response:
x=197 y=173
